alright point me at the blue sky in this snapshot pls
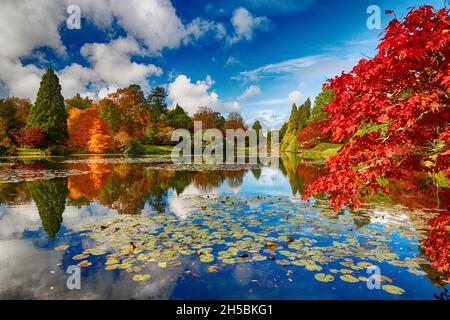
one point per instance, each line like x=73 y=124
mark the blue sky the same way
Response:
x=253 y=56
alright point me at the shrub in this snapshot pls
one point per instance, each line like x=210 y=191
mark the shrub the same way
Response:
x=135 y=148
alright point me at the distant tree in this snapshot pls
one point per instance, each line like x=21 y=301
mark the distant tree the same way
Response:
x=283 y=130
x=50 y=199
x=318 y=112
x=289 y=142
x=257 y=127
x=13 y=116
x=303 y=114
x=179 y=119
x=235 y=121
x=78 y=102
x=157 y=103
x=210 y=119
x=126 y=110
x=49 y=112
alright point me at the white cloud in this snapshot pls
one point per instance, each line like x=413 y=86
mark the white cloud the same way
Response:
x=232 y=61
x=270 y=119
x=112 y=64
x=26 y=25
x=191 y=96
x=295 y=97
x=19 y=80
x=245 y=24
x=249 y=92
x=153 y=22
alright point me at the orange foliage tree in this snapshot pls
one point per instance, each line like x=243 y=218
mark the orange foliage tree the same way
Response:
x=88 y=131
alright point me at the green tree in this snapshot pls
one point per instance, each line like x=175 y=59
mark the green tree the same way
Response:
x=257 y=127
x=179 y=119
x=324 y=98
x=49 y=112
x=157 y=103
x=50 y=199
x=303 y=114
x=283 y=130
x=78 y=102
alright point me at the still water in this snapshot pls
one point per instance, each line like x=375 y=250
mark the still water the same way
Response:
x=146 y=229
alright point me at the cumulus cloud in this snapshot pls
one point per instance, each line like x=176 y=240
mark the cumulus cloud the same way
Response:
x=270 y=119
x=28 y=25
x=191 y=96
x=153 y=22
x=245 y=24
x=25 y=25
x=295 y=97
x=249 y=92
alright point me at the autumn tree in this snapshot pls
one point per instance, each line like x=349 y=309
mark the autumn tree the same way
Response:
x=235 y=121
x=393 y=109
x=127 y=111
x=210 y=119
x=88 y=131
x=48 y=112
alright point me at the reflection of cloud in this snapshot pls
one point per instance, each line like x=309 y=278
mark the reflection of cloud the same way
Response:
x=24 y=280
x=388 y=218
x=268 y=175
x=16 y=220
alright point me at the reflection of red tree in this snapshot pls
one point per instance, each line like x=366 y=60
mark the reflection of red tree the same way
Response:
x=437 y=244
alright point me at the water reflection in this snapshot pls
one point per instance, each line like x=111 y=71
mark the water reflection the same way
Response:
x=68 y=193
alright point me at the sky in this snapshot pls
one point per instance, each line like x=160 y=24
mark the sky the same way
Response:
x=256 y=57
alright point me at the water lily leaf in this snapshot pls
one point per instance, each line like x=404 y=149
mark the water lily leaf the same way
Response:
x=62 y=248
x=393 y=289
x=141 y=277
x=349 y=278
x=80 y=256
x=322 y=277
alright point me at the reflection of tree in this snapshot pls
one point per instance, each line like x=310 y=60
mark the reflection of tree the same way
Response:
x=14 y=193
x=256 y=172
x=299 y=173
x=207 y=180
x=235 y=178
x=50 y=198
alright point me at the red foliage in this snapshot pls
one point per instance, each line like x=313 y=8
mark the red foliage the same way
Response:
x=312 y=134
x=405 y=89
x=33 y=137
x=437 y=244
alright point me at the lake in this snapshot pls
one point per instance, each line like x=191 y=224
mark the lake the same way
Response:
x=144 y=228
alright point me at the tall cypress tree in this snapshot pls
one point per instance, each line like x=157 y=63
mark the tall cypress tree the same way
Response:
x=157 y=101
x=303 y=114
x=48 y=112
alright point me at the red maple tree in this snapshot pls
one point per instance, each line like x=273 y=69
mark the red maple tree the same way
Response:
x=394 y=108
